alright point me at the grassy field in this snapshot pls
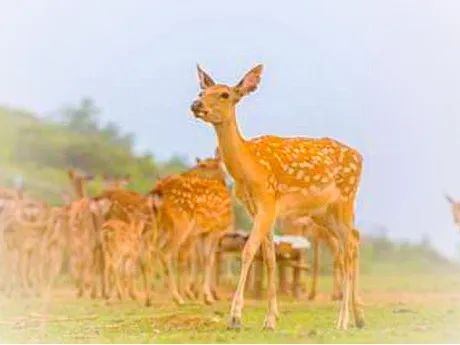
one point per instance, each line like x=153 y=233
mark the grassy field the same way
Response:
x=402 y=309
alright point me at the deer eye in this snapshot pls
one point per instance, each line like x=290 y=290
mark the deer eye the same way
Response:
x=224 y=95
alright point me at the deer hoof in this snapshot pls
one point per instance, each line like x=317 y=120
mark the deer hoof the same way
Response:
x=235 y=323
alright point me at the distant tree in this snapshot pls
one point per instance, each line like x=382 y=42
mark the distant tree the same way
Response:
x=83 y=118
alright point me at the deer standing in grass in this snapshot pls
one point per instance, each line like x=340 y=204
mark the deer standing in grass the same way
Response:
x=305 y=226
x=125 y=210
x=278 y=177
x=193 y=208
x=121 y=245
x=85 y=256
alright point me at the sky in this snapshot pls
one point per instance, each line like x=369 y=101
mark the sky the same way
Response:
x=381 y=76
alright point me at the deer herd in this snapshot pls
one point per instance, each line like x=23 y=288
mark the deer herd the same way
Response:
x=308 y=185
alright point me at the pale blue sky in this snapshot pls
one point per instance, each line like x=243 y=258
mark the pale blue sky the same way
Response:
x=382 y=76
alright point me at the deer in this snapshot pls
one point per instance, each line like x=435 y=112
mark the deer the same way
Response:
x=191 y=206
x=455 y=209
x=84 y=243
x=118 y=207
x=275 y=177
x=307 y=227
x=121 y=243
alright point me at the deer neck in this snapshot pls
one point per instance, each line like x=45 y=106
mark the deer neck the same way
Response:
x=232 y=145
x=79 y=190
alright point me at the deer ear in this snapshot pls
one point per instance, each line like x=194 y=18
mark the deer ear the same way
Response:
x=250 y=81
x=71 y=173
x=156 y=199
x=205 y=80
x=197 y=160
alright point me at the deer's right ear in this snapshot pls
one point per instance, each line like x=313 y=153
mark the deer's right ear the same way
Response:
x=70 y=173
x=197 y=160
x=205 y=80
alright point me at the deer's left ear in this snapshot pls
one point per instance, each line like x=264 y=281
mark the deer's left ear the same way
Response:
x=205 y=80
x=250 y=81
x=197 y=160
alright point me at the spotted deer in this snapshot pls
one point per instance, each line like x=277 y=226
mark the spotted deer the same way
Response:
x=277 y=177
x=84 y=242
x=305 y=226
x=192 y=249
x=193 y=207
x=121 y=243
x=128 y=207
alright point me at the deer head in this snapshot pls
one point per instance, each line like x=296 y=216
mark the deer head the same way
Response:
x=216 y=102
x=209 y=168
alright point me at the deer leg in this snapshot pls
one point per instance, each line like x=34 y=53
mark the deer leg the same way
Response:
x=217 y=275
x=166 y=260
x=315 y=271
x=145 y=264
x=268 y=246
x=186 y=262
x=355 y=302
x=131 y=279
x=210 y=245
x=344 y=215
x=262 y=225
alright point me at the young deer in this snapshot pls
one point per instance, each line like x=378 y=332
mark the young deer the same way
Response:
x=127 y=207
x=192 y=206
x=121 y=243
x=279 y=177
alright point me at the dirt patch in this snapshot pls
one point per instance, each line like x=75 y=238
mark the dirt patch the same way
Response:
x=185 y=321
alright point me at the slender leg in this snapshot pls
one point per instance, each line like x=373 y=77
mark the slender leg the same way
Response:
x=262 y=225
x=315 y=271
x=210 y=246
x=268 y=246
x=355 y=302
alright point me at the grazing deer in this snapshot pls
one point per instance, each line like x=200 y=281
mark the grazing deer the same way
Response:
x=278 y=177
x=194 y=206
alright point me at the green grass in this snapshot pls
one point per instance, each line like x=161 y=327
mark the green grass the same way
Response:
x=398 y=309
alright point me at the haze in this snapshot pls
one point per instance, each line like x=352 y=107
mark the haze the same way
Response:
x=382 y=76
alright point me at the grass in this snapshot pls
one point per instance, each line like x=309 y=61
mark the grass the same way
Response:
x=399 y=309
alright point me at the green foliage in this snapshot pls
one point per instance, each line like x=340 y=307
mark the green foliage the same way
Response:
x=42 y=150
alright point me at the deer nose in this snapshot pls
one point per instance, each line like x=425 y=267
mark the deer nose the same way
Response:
x=196 y=105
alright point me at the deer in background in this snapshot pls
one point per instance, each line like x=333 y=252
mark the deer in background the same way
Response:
x=455 y=210
x=122 y=210
x=307 y=227
x=121 y=244
x=277 y=177
x=192 y=206
x=84 y=242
